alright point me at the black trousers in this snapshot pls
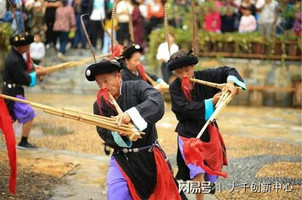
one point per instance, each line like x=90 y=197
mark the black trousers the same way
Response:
x=123 y=33
x=96 y=31
x=165 y=72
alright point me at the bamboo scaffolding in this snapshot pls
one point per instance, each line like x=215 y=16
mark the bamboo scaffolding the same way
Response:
x=70 y=64
x=96 y=120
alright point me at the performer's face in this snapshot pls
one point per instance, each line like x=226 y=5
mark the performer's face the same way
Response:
x=134 y=61
x=112 y=81
x=187 y=71
x=23 y=49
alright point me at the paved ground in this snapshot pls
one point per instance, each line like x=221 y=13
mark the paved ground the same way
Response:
x=263 y=144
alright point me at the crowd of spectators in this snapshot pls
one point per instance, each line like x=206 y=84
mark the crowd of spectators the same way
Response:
x=59 y=20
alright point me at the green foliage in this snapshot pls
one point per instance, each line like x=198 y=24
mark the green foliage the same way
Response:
x=241 y=42
x=5 y=32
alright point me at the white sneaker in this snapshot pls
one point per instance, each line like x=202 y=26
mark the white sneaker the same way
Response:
x=61 y=56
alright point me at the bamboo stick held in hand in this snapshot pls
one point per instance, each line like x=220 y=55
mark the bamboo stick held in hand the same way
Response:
x=96 y=120
x=70 y=64
x=135 y=134
x=227 y=98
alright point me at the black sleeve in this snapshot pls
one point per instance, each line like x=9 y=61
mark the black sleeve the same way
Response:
x=90 y=7
x=105 y=134
x=151 y=107
x=19 y=74
x=220 y=74
x=182 y=107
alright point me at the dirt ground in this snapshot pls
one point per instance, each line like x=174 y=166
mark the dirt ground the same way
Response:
x=245 y=134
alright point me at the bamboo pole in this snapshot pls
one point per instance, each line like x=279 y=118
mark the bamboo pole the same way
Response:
x=153 y=83
x=70 y=64
x=207 y=83
x=135 y=134
x=101 y=121
x=215 y=114
x=161 y=87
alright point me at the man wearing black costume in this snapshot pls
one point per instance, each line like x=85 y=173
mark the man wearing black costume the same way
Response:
x=193 y=104
x=134 y=70
x=137 y=170
x=17 y=73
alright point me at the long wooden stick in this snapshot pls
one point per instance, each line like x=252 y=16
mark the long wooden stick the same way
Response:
x=135 y=133
x=207 y=83
x=70 y=64
x=166 y=26
x=75 y=115
x=211 y=84
x=112 y=23
x=214 y=115
x=153 y=83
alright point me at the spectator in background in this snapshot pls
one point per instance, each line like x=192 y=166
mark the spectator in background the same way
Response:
x=144 y=12
x=137 y=21
x=267 y=16
x=97 y=12
x=123 y=12
x=155 y=10
x=2 y=9
x=50 y=15
x=37 y=49
x=212 y=20
x=227 y=5
x=286 y=17
x=142 y=8
x=247 y=4
x=36 y=23
x=178 y=10
x=228 y=20
x=247 y=21
x=64 y=22
x=163 y=55
x=14 y=17
x=107 y=39
x=79 y=40
x=298 y=25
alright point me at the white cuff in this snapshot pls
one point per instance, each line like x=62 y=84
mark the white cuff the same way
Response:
x=137 y=119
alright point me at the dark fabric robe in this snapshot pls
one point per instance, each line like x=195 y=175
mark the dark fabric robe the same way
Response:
x=191 y=115
x=127 y=75
x=140 y=167
x=15 y=72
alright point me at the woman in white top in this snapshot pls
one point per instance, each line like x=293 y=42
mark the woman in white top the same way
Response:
x=163 y=55
x=97 y=14
x=123 y=10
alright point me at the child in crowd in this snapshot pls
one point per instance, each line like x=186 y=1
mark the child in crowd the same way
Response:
x=228 y=20
x=37 y=49
x=212 y=20
x=247 y=22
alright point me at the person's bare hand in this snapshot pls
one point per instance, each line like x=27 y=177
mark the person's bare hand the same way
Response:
x=124 y=133
x=40 y=71
x=216 y=97
x=122 y=118
x=232 y=88
x=162 y=87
